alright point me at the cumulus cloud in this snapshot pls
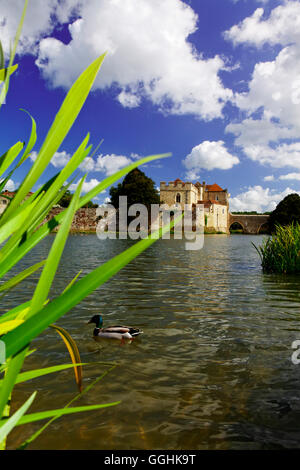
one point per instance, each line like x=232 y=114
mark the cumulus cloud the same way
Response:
x=274 y=89
x=279 y=156
x=107 y=164
x=259 y=199
x=11 y=185
x=87 y=185
x=40 y=20
x=149 y=55
x=110 y=164
x=59 y=159
x=208 y=156
x=128 y=99
x=281 y=27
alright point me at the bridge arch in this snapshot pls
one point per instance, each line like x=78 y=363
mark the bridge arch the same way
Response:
x=236 y=222
x=263 y=228
x=251 y=223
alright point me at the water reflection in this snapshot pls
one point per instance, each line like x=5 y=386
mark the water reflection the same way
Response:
x=212 y=369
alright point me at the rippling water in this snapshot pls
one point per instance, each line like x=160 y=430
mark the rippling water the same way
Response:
x=212 y=370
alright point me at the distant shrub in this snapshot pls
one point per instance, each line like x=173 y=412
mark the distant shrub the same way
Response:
x=280 y=253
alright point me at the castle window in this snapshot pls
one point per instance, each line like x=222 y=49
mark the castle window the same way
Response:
x=178 y=198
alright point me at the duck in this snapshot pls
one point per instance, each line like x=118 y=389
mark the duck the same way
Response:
x=113 y=332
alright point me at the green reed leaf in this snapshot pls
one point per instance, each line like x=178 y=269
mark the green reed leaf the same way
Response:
x=12 y=56
x=59 y=129
x=23 y=334
x=48 y=273
x=31 y=418
x=14 y=281
x=8 y=158
x=14 y=365
x=14 y=420
x=37 y=433
x=22 y=249
x=3 y=71
x=32 y=139
x=36 y=373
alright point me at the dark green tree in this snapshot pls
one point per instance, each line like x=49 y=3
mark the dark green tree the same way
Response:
x=286 y=212
x=138 y=188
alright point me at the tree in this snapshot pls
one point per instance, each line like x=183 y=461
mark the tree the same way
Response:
x=286 y=212
x=138 y=188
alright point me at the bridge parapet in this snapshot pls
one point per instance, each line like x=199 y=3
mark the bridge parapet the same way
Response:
x=251 y=223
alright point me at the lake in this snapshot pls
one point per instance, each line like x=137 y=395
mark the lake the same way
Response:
x=212 y=369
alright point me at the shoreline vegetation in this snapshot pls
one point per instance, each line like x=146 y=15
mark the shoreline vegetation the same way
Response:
x=280 y=253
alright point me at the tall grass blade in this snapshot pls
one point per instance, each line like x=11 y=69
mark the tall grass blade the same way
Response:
x=14 y=420
x=12 y=371
x=48 y=273
x=3 y=71
x=59 y=129
x=27 y=245
x=73 y=351
x=36 y=434
x=14 y=281
x=8 y=158
x=31 y=418
x=23 y=334
x=12 y=56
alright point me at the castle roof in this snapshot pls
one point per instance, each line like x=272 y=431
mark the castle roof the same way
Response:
x=213 y=188
x=210 y=202
x=8 y=193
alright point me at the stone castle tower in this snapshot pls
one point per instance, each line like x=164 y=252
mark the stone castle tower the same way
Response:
x=214 y=199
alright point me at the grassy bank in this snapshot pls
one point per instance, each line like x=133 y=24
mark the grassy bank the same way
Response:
x=280 y=253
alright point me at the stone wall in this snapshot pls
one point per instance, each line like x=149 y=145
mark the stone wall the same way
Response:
x=85 y=219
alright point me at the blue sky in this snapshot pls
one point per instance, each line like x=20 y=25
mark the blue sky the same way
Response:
x=214 y=82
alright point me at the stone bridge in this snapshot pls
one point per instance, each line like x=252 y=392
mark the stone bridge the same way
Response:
x=251 y=224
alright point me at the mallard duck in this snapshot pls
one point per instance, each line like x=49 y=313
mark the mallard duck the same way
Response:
x=113 y=332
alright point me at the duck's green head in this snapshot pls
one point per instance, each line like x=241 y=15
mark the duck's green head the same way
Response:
x=98 y=320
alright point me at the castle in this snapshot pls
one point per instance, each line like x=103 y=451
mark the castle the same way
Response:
x=214 y=199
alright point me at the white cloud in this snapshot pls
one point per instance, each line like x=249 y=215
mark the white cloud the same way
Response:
x=11 y=185
x=208 y=156
x=110 y=164
x=87 y=185
x=258 y=199
x=274 y=89
x=149 y=55
x=59 y=159
x=281 y=27
x=129 y=100
x=269 y=178
x=87 y=165
x=282 y=155
x=40 y=19
x=107 y=164
x=290 y=176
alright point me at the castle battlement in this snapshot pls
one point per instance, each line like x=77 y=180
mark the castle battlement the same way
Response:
x=214 y=198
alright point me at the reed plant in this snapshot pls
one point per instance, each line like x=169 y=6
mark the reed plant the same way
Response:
x=22 y=227
x=280 y=253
